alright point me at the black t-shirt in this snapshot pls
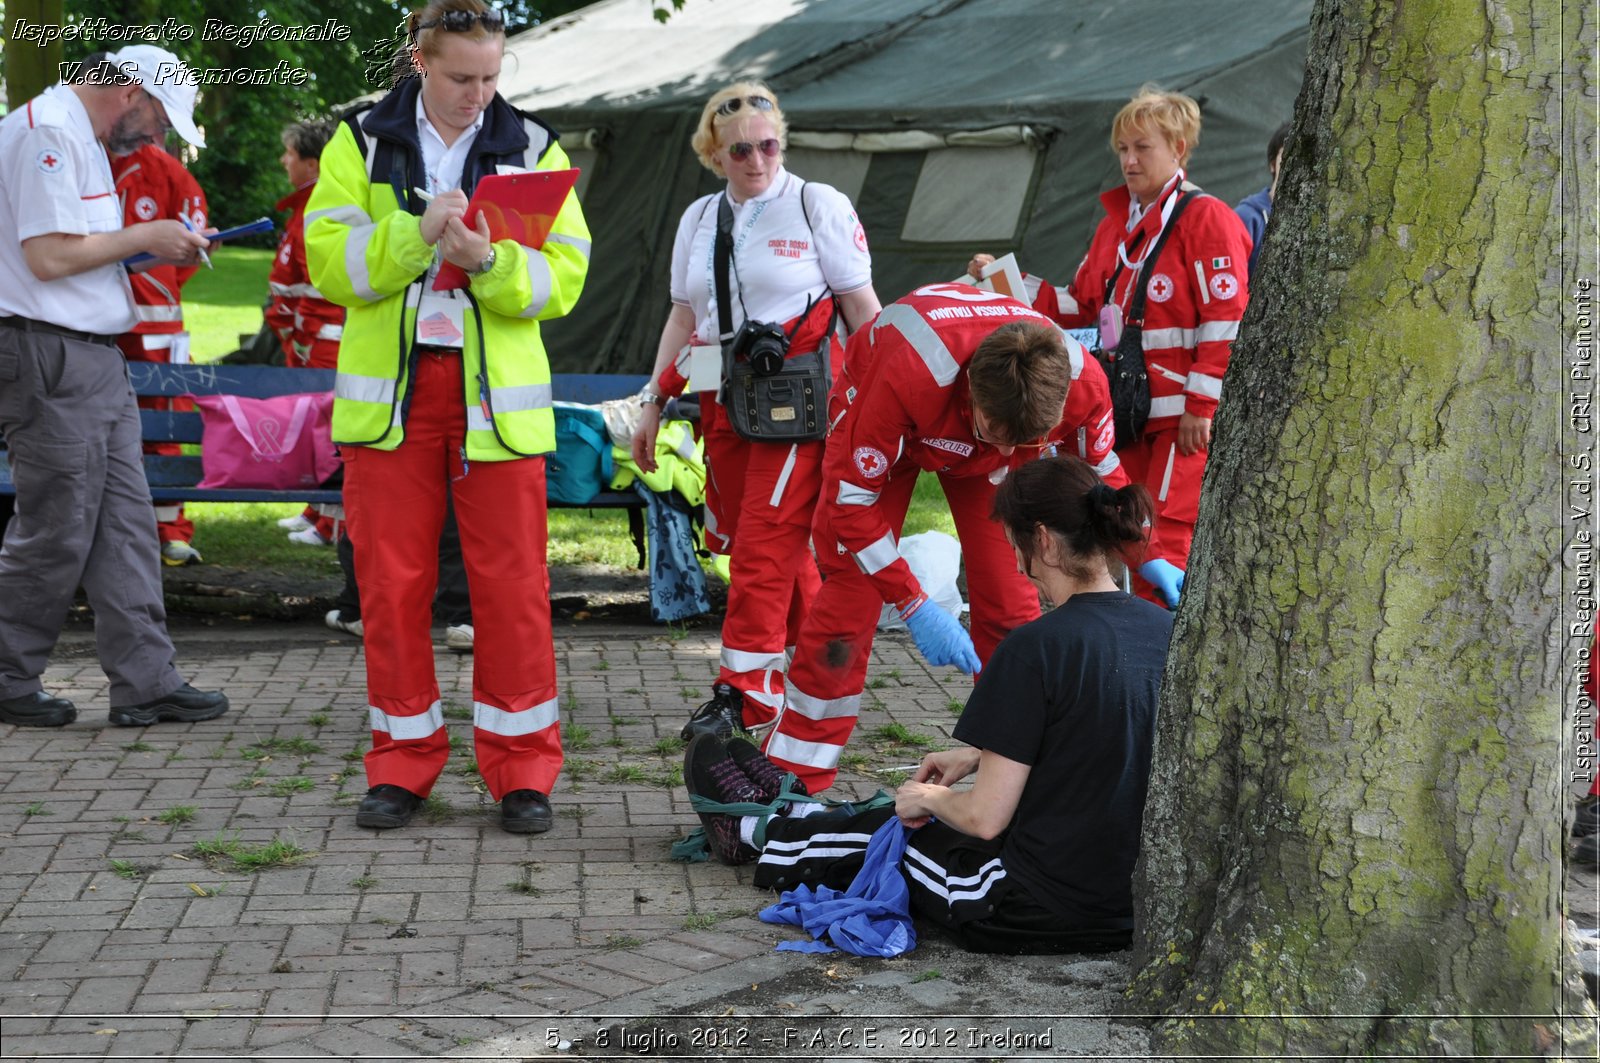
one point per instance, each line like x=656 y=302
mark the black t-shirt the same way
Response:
x=1074 y=695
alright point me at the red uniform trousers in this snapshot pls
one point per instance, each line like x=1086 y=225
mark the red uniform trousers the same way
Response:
x=829 y=669
x=171 y=524
x=1173 y=480
x=397 y=504
x=759 y=502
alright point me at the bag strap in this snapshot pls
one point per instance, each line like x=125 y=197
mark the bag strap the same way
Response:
x=722 y=255
x=1148 y=265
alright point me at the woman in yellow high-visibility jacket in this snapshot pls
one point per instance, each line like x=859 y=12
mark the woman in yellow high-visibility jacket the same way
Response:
x=447 y=393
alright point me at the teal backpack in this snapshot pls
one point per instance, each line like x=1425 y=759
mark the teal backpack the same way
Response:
x=581 y=466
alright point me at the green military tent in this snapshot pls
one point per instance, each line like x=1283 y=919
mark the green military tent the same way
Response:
x=954 y=125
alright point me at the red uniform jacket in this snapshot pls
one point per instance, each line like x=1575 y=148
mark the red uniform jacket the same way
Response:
x=153 y=185
x=907 y=406
x=1196 y=296
x=307 y=325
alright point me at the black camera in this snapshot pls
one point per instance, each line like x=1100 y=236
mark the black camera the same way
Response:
x=763 y=345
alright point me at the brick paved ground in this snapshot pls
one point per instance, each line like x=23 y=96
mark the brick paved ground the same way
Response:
x=120 y=937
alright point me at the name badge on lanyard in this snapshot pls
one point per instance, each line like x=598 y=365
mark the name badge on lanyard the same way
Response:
x=441 y=319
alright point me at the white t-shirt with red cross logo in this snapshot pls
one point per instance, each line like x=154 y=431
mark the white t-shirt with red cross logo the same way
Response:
x=780 y=262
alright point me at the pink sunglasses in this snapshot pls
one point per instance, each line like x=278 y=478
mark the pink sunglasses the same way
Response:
x=743 y=148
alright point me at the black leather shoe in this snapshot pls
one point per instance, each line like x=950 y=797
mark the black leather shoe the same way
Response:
x=386 y=807
x=37 y=709
x=525 y=812
x=722 y=716
x=184 y=705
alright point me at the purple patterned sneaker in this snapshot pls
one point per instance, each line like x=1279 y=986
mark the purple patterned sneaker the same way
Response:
x=710 y=773
x=767 y=776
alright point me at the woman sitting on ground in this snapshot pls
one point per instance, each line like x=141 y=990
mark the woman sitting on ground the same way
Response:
x=1038 y=855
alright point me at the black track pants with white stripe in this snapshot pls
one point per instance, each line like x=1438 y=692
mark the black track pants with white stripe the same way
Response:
x=956 y=881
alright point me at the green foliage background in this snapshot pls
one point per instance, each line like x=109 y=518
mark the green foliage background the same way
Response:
x=239 y=167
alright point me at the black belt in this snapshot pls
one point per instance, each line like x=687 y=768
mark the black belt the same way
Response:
x=28 y=324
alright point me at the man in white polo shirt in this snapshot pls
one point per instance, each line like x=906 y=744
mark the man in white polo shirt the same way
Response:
x=67 y=410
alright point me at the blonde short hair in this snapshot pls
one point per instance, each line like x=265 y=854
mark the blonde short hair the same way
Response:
x=1172 y=114
x=707 y=131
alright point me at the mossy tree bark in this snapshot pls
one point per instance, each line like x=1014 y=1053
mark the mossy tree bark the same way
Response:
x=1354 y=829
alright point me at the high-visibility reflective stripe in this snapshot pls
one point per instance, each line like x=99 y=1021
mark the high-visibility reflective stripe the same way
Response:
x=168 y=513
x=355 y=261
x=1166 y=406
x=1155 y=339
x=158 y=313
x=363 y=388
x=824 y=708
x=522 y=397
x=851 y=495
x=750 y=660
x=783 y=477
x=926 y=342
x=1177 y=378
x=763 y=697
x=1108 y=466
x=406 y=728
x=811 y=754
x=577 y=242
x=495 y=720
x=684 y=447
x=1216 y=331
x=1031 y=285
x=1166 y=478
x=330 y=332
x=681 y=361
x=477 y=421
x=1065 y=303
x=1074 y=352
x=344 y=214
x=879 y=556
x=1201 y=384
x=295 y=291
x=540 y=280
x=1200 y=278
x=157 y=341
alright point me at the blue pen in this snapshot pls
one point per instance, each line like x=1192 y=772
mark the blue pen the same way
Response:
x=187 y=224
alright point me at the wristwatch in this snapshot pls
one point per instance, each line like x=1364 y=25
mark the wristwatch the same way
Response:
x=485 y=266
x=651 y=397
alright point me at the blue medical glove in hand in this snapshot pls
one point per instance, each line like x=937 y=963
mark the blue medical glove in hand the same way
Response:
x=940 y=636
x=1166 y=577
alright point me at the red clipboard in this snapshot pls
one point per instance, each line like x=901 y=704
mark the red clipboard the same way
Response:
x=518 y=206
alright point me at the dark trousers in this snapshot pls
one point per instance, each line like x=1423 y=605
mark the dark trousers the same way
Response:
x=83 y=516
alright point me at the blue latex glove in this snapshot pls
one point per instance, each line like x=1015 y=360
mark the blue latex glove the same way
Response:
x=1166 y=577
x=941 y=638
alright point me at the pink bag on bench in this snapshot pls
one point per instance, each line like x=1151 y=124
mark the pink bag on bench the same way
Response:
x=272 y=444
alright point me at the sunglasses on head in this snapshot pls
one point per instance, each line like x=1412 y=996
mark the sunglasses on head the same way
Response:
x=463 y=21
x=743 y=148
x=1033 y=444
x=727 y=107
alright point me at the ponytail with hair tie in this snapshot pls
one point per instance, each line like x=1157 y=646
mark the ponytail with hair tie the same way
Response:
x=1102 y=496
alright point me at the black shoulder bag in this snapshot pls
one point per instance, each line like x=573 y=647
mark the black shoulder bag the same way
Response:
x=1124 y=365
x=770 y=396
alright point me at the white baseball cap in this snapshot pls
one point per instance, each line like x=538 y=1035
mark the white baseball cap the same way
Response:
x=163 y=75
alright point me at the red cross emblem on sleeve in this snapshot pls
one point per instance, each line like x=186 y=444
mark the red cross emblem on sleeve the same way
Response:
x=48 y=161
x=1224 y=286
x=871 y=462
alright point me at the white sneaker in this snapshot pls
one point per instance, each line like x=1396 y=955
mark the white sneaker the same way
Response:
x=295 y=523
x=458 y=637
x=177 y=552
x=335 y=620
x=308 y=537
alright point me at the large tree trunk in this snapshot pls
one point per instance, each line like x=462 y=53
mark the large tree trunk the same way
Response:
x=1355 y=824
x=30 y=68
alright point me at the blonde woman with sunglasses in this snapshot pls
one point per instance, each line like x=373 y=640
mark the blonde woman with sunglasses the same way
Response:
x=444 y=398
x=799 y=261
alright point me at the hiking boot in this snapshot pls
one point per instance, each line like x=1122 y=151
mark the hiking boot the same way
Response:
x=176 y=552
x=722 y=716
x=709 y=772
x=335 y=620
x=767 y=776
x=525 y=812
x=184 y=705
x=387 y=806
x=1586 y=817
x=37 y=709
x=295 y=523
x=458 y=638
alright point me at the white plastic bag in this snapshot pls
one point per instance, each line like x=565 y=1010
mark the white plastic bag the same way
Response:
x=935 y=559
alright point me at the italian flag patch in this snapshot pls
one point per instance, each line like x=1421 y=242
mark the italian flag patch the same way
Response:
x=1221 y=263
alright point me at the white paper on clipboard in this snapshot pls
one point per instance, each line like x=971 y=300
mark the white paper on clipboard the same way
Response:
x=1003 y=275
x=705 y=367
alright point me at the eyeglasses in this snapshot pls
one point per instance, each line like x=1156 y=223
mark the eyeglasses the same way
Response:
x=1033 y=444
x=727 y=107
x=463 y=21
x=743 y=148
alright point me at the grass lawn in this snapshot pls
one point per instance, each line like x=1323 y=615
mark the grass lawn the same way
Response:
x=219 y=304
